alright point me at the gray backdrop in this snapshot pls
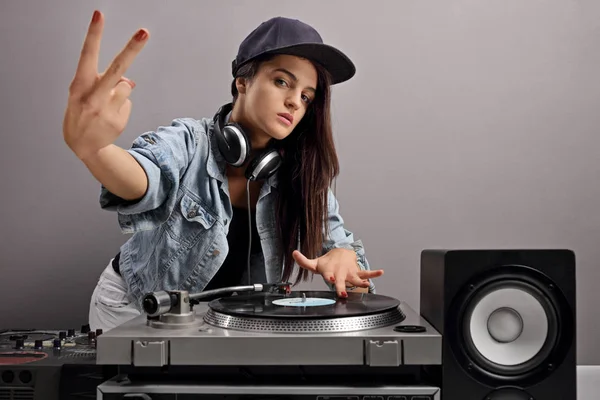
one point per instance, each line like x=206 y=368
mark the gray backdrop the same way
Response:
x=469 y=123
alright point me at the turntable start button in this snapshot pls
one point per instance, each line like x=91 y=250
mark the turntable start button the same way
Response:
x=337 y=398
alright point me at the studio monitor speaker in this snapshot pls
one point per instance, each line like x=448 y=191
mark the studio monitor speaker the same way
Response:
x=507 y=320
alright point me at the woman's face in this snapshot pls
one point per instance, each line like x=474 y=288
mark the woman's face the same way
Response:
x=275 y=100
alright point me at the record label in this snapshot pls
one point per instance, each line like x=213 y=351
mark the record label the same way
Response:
x=304 y=302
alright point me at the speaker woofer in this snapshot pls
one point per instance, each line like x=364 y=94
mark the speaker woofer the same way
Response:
x=509 y=325
x=529 y=336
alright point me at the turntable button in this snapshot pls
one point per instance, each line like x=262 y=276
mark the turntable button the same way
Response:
x=7 y=376
x=25 y=376
x=337 y=398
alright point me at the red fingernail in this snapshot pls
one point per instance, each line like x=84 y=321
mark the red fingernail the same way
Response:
x=96 y=16
x=344 y=294
x=141 y=35
x=332 y=279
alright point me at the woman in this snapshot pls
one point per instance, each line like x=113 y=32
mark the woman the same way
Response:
x=186 y=190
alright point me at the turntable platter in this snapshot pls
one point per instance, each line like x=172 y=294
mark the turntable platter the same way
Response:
x=304 y=311
x=7 y=339
x=317 y=304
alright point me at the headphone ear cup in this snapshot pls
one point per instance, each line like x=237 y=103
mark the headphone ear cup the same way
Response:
x=236 y=147
x=264 y=165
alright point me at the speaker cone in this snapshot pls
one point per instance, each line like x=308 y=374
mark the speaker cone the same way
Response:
x=509 y=327
x=509 y=323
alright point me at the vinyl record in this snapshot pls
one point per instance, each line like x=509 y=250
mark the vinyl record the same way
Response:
x=28 y=336
x=303 y=304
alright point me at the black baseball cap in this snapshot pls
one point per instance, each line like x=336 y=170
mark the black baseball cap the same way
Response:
x=281 y=35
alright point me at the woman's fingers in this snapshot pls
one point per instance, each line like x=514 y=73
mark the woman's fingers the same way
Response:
x=367 y=274
x=87 y=68
x=121 y=92
x=121 y=62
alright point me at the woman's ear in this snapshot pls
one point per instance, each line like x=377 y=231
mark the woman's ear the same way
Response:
x=240 y=84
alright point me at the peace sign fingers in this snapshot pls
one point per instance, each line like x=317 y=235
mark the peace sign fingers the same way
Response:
x=116 y=70
x=87 y=69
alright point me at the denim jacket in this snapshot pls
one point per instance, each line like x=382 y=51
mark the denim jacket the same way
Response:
x=180 y=225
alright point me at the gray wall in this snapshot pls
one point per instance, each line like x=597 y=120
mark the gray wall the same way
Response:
x=470 y=123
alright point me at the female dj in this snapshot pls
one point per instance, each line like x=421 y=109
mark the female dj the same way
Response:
x=219 y=201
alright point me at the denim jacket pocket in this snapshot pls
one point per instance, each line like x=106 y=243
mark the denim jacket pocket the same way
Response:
x=190 y=221
x=194 y=212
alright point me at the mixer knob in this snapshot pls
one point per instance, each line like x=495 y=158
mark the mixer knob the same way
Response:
x=62 y=335
x=57 y=343
x=98 y=332
x=91 y=337
x=39 y=344
x=85 y=328
x=20 y=344
x=71 y=333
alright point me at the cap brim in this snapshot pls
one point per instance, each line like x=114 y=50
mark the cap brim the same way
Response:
x=334 y=61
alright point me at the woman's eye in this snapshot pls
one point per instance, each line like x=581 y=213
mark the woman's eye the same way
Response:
x=281 y=82
x=306 y=99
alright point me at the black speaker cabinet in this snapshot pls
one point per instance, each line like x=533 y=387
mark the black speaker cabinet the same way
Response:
x=507 y=320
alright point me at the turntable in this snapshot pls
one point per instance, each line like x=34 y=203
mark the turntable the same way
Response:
x=50 y=364
x=266 y=341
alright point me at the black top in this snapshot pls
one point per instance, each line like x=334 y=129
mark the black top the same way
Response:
x=234 y=267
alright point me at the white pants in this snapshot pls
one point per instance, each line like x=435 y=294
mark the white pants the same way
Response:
x=110 y=305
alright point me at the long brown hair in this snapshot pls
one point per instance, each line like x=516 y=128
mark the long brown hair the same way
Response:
x=310 y=164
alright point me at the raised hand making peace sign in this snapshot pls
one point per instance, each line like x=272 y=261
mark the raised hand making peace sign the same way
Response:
x=98 y=107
